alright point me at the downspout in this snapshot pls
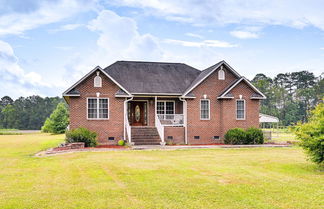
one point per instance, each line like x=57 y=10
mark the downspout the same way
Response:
x=125 y=115
x=185 y=118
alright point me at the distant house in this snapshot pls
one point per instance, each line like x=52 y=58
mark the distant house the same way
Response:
x=155 y=103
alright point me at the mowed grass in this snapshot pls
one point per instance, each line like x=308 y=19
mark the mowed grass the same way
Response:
x=281 y=135
x=211 y=178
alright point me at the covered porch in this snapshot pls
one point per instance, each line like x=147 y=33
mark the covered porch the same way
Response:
x=143 y=111
x=155 y=112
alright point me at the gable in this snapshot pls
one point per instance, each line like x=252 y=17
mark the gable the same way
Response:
x=73 y=89
x=243 y=85
x=208 y=72
x=212 y=84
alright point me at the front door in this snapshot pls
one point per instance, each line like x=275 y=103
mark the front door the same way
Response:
x=138 y=113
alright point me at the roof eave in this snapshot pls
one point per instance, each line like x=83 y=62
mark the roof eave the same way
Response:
x=225 y=97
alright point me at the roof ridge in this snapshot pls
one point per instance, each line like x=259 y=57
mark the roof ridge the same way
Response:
x=139 y=61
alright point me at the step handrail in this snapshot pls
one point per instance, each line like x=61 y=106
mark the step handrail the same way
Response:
x=160 y=129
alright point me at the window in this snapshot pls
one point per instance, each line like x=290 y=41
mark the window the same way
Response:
x=204 y=109
x=196 y=137
x=97 y=82
x=165 y=109
x=170 y=137
x=98 y=108
x=111 y=138
x=216 y=137
x=240 y=109
x=221 y=74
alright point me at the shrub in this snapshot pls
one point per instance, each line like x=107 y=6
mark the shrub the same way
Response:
x=254 y=136
x=311 y=135
x=58 y=120
x=121 y=142
x=82 y=135
x=235 y=136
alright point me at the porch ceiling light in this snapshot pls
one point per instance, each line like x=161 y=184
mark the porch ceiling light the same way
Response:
x=205 y=96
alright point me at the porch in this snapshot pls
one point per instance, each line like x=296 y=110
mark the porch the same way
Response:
x=155 y=113
x=143 y=111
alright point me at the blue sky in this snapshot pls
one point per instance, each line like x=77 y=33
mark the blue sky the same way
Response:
x=46 y=46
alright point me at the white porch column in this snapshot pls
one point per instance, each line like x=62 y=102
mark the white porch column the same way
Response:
x=184 y=107
x=155 y=110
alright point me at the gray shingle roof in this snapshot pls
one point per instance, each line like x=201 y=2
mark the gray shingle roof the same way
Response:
x=152 y=77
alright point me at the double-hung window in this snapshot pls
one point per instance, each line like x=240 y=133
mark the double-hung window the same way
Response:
x=240 y=109
x=204 y=109
x=165 y=109
x=98 y=108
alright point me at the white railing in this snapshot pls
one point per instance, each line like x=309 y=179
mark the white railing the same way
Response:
x=171 y=119
x=128 y=130
x=160 y=128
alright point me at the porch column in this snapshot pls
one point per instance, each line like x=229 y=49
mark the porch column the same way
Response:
x=155 y=110
x=184 y=107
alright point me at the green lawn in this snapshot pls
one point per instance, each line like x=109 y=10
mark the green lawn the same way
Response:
x=214 y=178
x=281 y=135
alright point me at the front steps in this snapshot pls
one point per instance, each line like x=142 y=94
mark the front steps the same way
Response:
x=145 y=135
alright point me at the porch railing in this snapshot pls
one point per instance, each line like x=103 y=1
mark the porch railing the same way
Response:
x=171 y=119
x=128 y=130
x=160 y=128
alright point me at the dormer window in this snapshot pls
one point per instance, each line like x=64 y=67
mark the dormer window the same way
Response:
x=97 y=80
x=221 y=74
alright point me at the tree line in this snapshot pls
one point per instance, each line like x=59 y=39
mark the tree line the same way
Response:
x=26 y=113
x=290 y=96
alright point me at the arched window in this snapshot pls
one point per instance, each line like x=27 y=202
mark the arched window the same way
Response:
x=221 y=74
x=97 y=81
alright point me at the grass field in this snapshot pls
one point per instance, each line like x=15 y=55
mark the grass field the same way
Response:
x=214 y=178
x=281 y=135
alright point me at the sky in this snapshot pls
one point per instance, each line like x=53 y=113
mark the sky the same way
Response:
x=46 y=46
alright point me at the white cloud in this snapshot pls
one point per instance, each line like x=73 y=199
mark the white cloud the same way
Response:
x=120 y=39
x=47 y=12
x=67 y=27
x=63 y=48
x=205 y=43
x=244 y=34
x=194 y=35
x=14 y=80
x=293 y=13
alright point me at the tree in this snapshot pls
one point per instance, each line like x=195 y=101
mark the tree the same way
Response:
x=58 y=121
x=6 y=100
x=8 y=116
x=311 y=135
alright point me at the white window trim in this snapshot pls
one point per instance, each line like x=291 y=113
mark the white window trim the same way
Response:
x=97 y=108
x=208 y=109
x=165 y=101
x=223 y=74
x=244 y=102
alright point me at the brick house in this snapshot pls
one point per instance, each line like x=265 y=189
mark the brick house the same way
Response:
x=158 y=103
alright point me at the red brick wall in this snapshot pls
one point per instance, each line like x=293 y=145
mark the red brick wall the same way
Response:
x=222 y=112
x=176 y=132
x=105 y=128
